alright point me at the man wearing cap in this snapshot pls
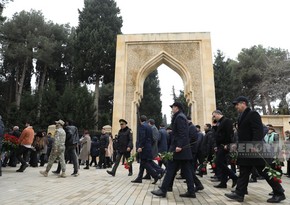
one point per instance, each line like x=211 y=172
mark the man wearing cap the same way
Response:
x=71 y=144
x=182 y=156
x=125 y=145
x=250 y=130
x=58 y=149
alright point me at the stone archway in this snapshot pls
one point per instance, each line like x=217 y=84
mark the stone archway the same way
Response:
x=188 y=54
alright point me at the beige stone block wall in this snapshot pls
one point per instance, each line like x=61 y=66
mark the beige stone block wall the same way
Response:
x=188 y=54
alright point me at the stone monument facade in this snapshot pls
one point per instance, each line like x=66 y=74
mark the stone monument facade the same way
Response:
x=188 y=54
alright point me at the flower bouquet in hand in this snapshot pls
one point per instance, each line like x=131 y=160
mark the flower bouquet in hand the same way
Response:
x=10 y=142
x=130 y=161
x=233 y=157
x=166 y=156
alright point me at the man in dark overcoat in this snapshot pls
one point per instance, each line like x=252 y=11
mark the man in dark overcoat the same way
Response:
x=144 y=149
x=182 y=156
x=223 y=135
x=250 y=131
x=125 y=145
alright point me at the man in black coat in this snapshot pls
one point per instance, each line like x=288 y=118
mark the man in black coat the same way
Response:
x=182 y=156
x=125 y=145
x=144 y=149
x=223 y=135
x=250 y=132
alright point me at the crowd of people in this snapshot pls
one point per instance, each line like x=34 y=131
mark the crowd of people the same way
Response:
x=179 y=151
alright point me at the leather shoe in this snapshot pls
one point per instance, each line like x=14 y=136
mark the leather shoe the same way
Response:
x=136 y=181
x=188 y=195
x=222 y=186
x=111 y=173
x=155 y=180
x=234 y=191
x=235 y=197
x=146 y=177
x=198 y=188
x=271 y=193
x=158 y=192
x=234 y=182
x=169 y=189
x=276 y=198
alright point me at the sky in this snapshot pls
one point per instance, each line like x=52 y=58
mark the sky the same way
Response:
x=233 y=24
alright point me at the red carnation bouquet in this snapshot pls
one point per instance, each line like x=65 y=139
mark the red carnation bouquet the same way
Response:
x=10 y=142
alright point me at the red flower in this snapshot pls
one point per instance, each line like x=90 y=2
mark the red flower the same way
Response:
x=157 y=158
x=127 y=166
x=213 y=165
x=203 y=169
x=280 y=181
x=275 y=179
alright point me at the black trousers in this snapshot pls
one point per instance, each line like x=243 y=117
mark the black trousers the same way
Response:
x=102 y=158
x=243 y=180
x=71 y=152
x=151 y=167
x=222 y=165
x=22 y=153
x=118 y=159
x=172 y=167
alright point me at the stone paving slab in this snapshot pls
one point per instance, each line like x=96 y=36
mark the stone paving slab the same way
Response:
x=95 y=186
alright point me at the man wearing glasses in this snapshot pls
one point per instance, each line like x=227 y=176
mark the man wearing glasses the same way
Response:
x=124 y=147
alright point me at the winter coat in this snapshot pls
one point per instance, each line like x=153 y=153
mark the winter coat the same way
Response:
x=155 y=134
x=250 y=129
x=180 y=137
x=125 y=140
x=162 y=141
x=85 y=147
x=145 y=140
x=95 y=147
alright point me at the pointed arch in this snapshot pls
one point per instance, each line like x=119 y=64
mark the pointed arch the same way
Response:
x=151 y=65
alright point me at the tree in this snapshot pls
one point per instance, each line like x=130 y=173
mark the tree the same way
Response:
x=99 y=24
x=106 y=104
x=2 y=6
x=151 y=103
x=18 y=37
x=264 y=74
x=226 y=86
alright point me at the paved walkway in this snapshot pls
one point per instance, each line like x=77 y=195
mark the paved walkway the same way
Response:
x=97 y=187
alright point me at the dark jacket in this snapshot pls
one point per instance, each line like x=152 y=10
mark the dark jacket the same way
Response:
x=72 y=135
x=210 y=142
x=180 y=137
x=250 y=129
x=193 y=137
x=162 y=141
x=95 y=146
x=125 y=140
x=104 y=141
x=145 y=140
x=224 y=132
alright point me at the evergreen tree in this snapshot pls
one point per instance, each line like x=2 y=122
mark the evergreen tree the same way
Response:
x=96 y=35
x=226 y=87
x=151 y=103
